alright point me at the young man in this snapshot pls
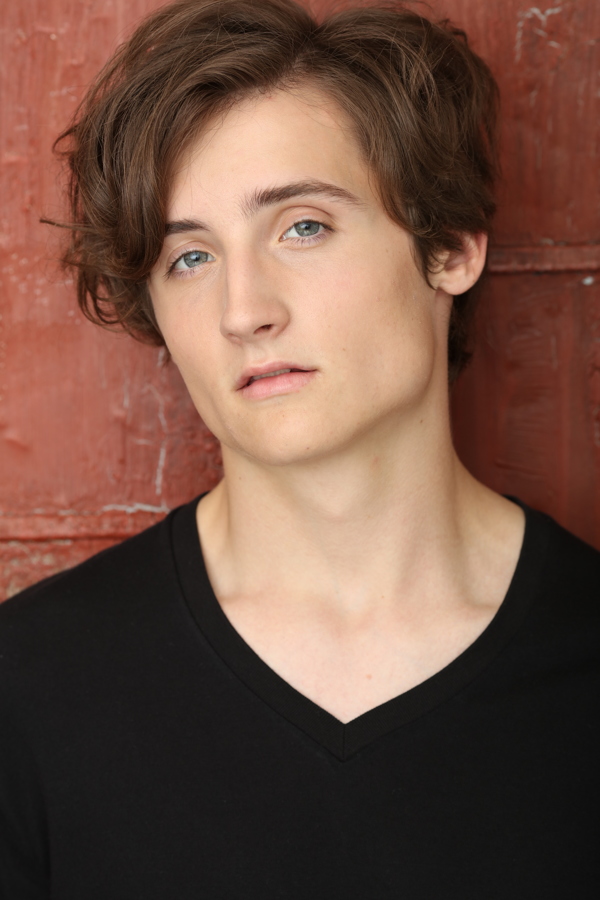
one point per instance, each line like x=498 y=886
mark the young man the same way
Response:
x=351 y=669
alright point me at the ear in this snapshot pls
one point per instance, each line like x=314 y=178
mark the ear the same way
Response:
x=460 y=269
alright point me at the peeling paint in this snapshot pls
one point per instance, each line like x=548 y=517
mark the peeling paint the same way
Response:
x=533 y=13
x=158 y=478
x=134 y=507
x=129 y=508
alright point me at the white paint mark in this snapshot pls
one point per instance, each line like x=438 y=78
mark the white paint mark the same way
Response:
x=133 y=508
x=65 y=91
x=533 y=13
x=588 y=280
x=158 y=480
x=129 y=508
x=161 y=405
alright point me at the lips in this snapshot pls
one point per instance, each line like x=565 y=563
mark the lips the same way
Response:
x=269 y=370
x=274 y=380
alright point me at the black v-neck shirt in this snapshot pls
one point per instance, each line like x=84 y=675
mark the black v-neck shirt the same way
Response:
x=147 y=752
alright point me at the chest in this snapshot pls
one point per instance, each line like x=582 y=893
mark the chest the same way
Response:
x=350 y=668
x=211 y=791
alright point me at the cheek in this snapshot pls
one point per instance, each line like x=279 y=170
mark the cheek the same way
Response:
x=184 y=335
x=396 y=340
x=196 y=362
x=202 y=391
x=193 y=352
x=383 y=303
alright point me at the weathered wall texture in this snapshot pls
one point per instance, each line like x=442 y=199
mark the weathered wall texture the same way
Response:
x=98 y=439
x=527 y=413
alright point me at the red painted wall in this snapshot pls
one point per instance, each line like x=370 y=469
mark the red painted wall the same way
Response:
x=98 y=439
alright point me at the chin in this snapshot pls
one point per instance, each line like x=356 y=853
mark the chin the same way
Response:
x=284 y=443
x=279 y=454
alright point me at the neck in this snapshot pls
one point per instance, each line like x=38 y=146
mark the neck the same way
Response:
x=374 y=522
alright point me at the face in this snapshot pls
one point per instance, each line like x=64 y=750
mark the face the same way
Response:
x=279 y=258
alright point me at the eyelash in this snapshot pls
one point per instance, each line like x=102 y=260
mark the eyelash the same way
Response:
x=313 y=239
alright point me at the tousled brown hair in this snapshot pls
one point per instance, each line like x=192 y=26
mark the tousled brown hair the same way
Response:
x=422 y=105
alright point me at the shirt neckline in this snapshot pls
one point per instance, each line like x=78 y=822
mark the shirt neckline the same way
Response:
x=344 y=740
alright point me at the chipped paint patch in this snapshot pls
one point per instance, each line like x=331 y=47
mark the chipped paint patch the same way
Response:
x=533 y=13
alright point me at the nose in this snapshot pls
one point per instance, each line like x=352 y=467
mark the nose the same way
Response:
x=253 y=303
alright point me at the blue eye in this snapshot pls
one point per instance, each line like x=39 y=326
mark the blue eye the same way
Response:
x=306 y=228
x=191 y=260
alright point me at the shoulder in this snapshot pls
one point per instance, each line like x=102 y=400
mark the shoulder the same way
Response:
x=91 y=604
x=571 y=566
x=563 y=573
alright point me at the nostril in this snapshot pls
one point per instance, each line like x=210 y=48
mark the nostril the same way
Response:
x=263 y=328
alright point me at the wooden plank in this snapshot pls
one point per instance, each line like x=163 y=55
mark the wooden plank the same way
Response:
x=116 y=523
x=557 y=258
x=546 y=58
x=527 y=411
x=23 y=563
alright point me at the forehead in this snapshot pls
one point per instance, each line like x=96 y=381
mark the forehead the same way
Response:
x=266 y=140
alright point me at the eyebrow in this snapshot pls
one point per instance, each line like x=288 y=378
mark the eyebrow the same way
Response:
x=270 y=197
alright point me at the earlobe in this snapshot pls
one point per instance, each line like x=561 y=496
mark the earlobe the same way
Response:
x=461 y=268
